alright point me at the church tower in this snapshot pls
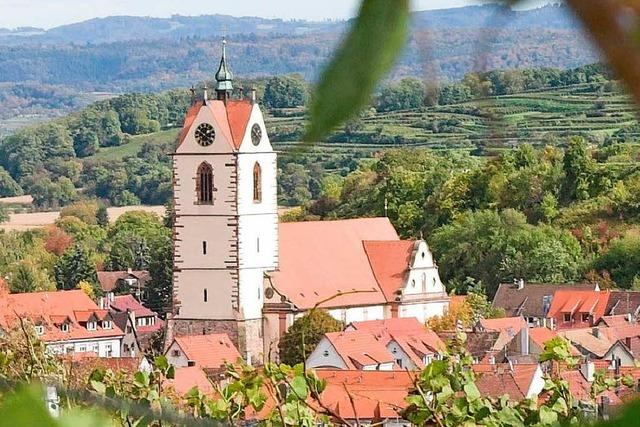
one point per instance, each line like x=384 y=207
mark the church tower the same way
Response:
x=226 y=220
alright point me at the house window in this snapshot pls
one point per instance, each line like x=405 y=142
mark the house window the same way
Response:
x=95 y=348
x=91 y=326
x=108 y=350
x=206 y=296
x=106 y=324
x=82 y=349
x=175 y=353
x=64 y=327
x=567 y=317
x=39 y=329
x=191 y=363
x=399 y=362
x=325 y=353
x=585 y=317
x=204 y=248
x=257 y=183
x=204 y=184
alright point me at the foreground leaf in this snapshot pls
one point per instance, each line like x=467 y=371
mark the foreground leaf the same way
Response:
x=365 y=56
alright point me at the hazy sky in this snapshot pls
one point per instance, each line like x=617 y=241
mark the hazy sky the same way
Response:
x=51 y=13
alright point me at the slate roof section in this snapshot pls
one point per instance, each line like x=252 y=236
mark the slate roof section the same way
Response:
x=528 y=301
x=622 y=303
x=320 y=259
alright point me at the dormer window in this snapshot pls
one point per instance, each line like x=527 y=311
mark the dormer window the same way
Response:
x=567 y=317
x=39 y=330
x=64 y=327
x=106 y=324
x=91 y=326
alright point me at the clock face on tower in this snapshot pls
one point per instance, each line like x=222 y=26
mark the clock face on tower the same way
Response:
x=205 y=134
x=256 y=134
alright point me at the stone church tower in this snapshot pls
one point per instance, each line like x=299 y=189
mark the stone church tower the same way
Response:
x=226 y=221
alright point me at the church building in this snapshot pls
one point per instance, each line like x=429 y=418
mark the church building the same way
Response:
x=238 y=271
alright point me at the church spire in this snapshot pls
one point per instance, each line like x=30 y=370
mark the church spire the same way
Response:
x=224 y=77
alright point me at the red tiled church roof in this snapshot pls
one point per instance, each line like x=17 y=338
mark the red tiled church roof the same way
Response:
x=319 y=259
x=389 y=261
x=231 y=118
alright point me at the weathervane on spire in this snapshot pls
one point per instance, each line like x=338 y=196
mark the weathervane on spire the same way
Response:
x=224 y=76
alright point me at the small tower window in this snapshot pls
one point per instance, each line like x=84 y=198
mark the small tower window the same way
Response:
x=204 y=184
x=204 y=248
x=257 y=183
x=257 y=244
x=205 y=296
x=424 y=282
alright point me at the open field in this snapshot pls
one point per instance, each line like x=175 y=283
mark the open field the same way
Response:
x=26 y=221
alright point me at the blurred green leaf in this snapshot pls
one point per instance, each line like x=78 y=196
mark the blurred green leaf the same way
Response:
x=25 y=407
x=365 y=56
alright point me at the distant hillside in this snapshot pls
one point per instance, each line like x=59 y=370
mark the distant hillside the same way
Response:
x=130 y=54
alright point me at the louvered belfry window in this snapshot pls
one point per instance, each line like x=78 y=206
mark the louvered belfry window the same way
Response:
x=204 y=184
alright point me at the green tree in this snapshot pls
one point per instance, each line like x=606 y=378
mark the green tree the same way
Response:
x=27 y=275
x=73 y=267
x=285 y=92
x=304 y=335
x=102 y=215
x=160 y=287
x=4 y=214
x=408 y=93
x=8 y=186
x=578 y=169
x=621 y=260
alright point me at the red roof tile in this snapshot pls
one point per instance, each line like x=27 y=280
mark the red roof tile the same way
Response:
x=513 y=324
x=568 y=301
x=319 y=259
x=359 y=348
x=390 y=262
x=208 y=351
x=377 y=395
x=128 y=302
x=53 y=309
x=238 y=114
x=231 y=118
x=188 y=377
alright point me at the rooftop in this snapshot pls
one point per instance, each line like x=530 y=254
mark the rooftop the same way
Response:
x=208 y=351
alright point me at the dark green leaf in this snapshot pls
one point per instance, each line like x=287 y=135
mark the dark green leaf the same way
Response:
x=368 y=52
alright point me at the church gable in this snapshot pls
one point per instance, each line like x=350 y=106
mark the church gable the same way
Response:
x=254 y=138
x=214 y=114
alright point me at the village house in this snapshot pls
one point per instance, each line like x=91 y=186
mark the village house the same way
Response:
x=208 y=352
x=68 y=322
x=238 y=271
x=532 y=301
x=139 y=323
x=129 y=281
x=600 y=344
x=577 y=309
x=397 y=343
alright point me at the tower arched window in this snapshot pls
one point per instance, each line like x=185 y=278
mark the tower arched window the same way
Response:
x=424 y=282
x=257 y=183
x=204 y=184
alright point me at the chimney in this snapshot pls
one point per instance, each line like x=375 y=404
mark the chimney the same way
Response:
x=111 y=296
x=524 y=341
x=588 y=370
x=253 y=95
x=629 y=318
x=101 y=303
x=129 y=271
x=521 y=284
x=595 y=332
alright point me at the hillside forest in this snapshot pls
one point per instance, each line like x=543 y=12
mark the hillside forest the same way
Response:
x=508 y=174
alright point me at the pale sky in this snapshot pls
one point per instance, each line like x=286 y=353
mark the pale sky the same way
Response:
x=51 y=13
